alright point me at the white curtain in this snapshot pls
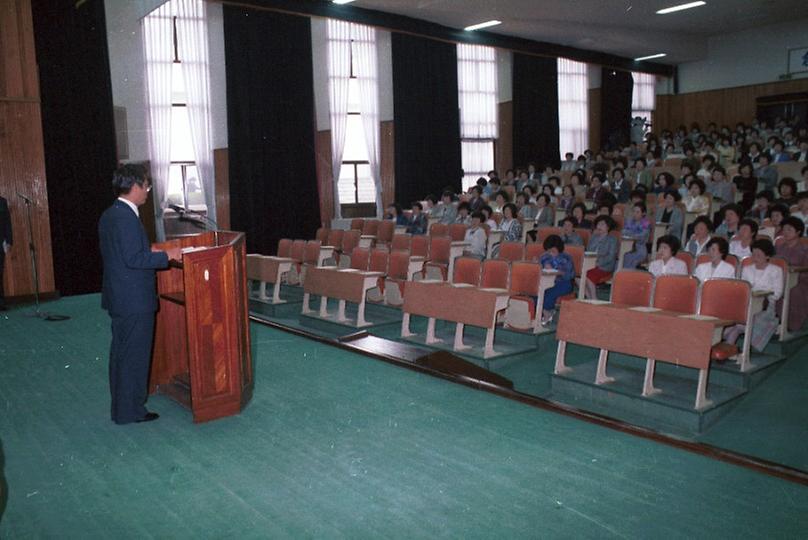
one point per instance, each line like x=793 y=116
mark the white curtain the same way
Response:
x=477 y=89
x=339 y=74
x=192 y=41
x=573 y=107
x=643 y=95
x=158 y=39
x=366 y=70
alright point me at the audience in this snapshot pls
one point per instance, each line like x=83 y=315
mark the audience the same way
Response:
x=476 y=237
x=417 y=223
x=568 y=234
x=716 y=267
x=795 y=252
x=606 y=246
x=741 y=243
x=671 y=214
x=702 y=228
x=638 y=228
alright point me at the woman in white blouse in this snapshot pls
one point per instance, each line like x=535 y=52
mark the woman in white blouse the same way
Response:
x=695 y=200
x=716 y=267
x=666 y=263
x=763 y=276
x=741 y=244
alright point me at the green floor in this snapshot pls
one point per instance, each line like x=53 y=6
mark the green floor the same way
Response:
x=339 y=445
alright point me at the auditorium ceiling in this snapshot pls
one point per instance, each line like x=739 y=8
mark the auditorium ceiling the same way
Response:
x=629 y=28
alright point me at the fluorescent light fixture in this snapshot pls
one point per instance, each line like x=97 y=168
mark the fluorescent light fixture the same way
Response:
x=680 y=7
x=340 y=2
x=485 y=24
x=650 y=57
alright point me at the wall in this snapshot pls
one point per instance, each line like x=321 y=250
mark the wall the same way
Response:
x=22 y=158
x=761 y=54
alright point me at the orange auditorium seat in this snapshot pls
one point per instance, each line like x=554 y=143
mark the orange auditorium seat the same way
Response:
x=676 y=293
x=632 y=287
x=467 y=271
x=511 y=251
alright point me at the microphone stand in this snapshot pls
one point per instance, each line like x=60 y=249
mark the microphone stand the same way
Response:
x=202 y=220
x=35 y=271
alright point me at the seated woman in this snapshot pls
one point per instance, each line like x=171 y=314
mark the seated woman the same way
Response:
x=702 y=228
x=418 y=221
x=763 y=201
x=568 y=234
x=722 y=189
x=788 y=192
x=463 y=214
x=638 y=227
x=621 y=188
x=524 y=209
x=763 y=276
x=488 y=217
x=579 y=213
x=500 y=200
x=547 y=189
x=476 y=237
x=777 y=214
x=510 y=225
x=554 y=258
x=607 y=247
x=666 y=263
x=577 y=181
x=795 y=252
x=747 y=184
x=741 y=243
x=669 y=213
x=730 y=218
x=545 y=217
x=695 y=200
x=395 y=213
x=664 y=182
x=716 y=267
x=567 y=198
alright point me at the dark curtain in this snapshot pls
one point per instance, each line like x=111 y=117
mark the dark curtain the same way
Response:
x=271 y=126
x=78 y=132
x=535 y=111
x=426 y=117
x=615 y=106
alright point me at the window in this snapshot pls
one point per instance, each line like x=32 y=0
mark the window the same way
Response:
x=184 y=186
x=477 y=94
x=643 y=96
x=356 y=183
x=573 y=107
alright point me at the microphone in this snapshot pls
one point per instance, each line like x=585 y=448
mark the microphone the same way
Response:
x=26 y=199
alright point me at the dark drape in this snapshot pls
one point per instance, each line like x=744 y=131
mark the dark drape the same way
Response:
x=271 y=126
x=79 y=134
x=615 y=106
x=535 y=111
x=426 y=117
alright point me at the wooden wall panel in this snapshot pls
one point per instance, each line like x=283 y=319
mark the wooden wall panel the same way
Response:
x=221 y=175
x=593 y=95
x=18 y=74
x=503 y=156
x=325 y=176
x=22 y=170
x=388 y=162
x=22 y=157
x=725 y=106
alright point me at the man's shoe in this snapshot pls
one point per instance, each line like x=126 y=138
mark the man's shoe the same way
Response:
x=150 y=416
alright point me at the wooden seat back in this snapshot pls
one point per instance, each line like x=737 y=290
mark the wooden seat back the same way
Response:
x=284 y=247
x=467 y=270
x=419 y=246
x=726 y=299
x=632 y=287
x=400 y=242
x=511 y=251
x=457 y=231
x=495 y=274
x=321 y=235
x=676 y=293
x=360 y=258
x=357 y=223
x=534 y=251
x=385 y=232
x=335 y=238
x=370 y=227
x=525 y=278
x=438 y=229
x=298 y=251
x=350 y=240
x=312 y=253
x=379 y=260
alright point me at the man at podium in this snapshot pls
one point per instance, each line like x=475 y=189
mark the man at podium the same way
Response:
x=129 y=293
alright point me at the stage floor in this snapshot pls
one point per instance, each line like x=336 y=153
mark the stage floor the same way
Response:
x=335 y=444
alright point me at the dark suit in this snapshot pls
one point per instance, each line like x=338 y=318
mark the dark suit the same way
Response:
x=5 y=236
x=129 y=295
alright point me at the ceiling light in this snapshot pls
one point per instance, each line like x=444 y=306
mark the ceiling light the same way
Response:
x=485 y=24
x=680 y=7
x=650 y=57
x=340 y=2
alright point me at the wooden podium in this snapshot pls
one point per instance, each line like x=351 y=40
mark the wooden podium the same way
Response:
x=201 y=355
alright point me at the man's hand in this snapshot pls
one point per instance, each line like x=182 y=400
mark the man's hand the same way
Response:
x=174 y=254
